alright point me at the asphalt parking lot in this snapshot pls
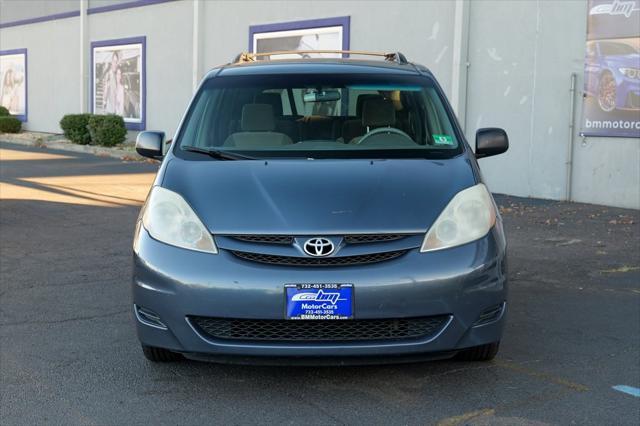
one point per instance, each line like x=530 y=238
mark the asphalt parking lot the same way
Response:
x=69 y=354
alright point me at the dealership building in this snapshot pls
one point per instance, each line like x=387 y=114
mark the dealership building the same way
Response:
x=561 y=77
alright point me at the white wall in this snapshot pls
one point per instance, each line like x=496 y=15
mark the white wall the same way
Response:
x=17 y=10
x=167 y=27
x=406 y=26
x=53 y=70
x=521 y=56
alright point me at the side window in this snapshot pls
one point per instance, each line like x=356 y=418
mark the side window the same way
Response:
x=286 y=105
x=297 y=98
x=193 y=134
x=438 y=120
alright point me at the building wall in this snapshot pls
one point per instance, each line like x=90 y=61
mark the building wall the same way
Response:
x=16 y=10
x=53 y=69
x=407 y=26
x=520 y=55
x=167 y=27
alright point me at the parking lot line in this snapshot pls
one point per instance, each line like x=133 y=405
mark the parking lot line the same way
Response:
x=628 y=390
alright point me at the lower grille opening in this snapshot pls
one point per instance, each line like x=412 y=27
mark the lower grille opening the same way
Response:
x=319 y=331
x=318 y=261
x=489 y=315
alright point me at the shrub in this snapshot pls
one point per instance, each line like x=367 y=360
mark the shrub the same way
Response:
x=10 y=125
x=4 y=112
x=75 y=128
x=107 y=130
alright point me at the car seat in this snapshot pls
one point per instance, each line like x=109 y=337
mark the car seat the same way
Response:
x=257 y=126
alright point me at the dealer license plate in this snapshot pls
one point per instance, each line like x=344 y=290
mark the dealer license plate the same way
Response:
x=319 y=301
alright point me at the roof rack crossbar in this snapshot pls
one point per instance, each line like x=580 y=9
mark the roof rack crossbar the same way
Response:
x=392 y=57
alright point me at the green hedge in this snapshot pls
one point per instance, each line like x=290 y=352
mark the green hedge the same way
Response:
x=4 y=112
x=10 y=125
x=75 y=128
x=107 y=130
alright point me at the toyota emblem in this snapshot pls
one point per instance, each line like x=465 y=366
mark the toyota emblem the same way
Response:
x=318 y=247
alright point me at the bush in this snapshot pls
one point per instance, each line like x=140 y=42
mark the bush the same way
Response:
x=75 y=128
x=107 y=130
x=4 y=112
x=10 y=125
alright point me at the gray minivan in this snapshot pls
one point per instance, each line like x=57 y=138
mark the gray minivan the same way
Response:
x=323 y=210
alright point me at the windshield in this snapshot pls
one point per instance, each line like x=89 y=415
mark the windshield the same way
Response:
x=613 y=48
x=320 y=116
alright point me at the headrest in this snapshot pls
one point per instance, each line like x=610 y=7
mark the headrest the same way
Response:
x=360 y=101
x=273 y=99
x=257 y=118
x=378 y=113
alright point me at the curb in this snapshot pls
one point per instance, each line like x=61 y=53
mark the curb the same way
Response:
x=64 y=145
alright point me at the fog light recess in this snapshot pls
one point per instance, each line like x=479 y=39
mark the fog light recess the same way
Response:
x=148 y=317
x=489 y=315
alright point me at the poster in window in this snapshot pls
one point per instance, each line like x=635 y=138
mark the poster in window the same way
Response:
x=612 y=69
x=13 y=82
x=317 y=34
x=118 y=69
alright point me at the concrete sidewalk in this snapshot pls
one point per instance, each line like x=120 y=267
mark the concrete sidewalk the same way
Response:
x=124 y=151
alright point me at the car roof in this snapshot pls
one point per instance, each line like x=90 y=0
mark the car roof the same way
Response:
x=319 y=66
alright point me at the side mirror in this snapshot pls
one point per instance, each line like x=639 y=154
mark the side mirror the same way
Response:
x=491 y=141
x=149 y=144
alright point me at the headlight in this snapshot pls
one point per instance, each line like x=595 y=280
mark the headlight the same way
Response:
x=630 y=72
x=169 y=219
x=468 y=216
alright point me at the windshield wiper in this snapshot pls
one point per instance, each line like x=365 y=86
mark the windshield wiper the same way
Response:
x=218 y=153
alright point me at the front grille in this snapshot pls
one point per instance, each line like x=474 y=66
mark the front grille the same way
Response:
x=371 y=238
x=264 y=239
x=319 y=331
x=319 y=261
x=288 y=239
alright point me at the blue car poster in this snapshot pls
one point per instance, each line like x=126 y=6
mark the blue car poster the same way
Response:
x=611 y=105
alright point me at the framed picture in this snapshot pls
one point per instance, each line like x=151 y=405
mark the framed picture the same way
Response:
x=118 y=79
x=611 y=101
x=13 y=82
x=315 y=34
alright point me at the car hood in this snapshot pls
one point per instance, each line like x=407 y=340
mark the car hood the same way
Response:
x=305 y=197
x=630 y=60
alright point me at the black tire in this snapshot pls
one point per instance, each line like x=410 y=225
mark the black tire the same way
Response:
x=154 y=354
x=480 y=353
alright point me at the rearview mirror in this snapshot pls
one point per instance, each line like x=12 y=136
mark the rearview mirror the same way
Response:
x=149 y=144
x=323 y=96
x=491 y=141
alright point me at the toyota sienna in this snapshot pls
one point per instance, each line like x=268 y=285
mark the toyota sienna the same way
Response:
x=319 y=210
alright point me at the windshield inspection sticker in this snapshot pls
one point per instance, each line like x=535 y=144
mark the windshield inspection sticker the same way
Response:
x=442 y=139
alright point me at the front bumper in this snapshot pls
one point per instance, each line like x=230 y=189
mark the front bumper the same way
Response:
x=461 y=282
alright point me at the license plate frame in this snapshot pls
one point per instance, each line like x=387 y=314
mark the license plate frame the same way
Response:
x=319 y=301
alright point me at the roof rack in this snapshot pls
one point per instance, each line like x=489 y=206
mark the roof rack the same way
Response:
x=391 y=57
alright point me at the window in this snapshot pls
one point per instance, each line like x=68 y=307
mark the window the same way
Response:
x=321 y=115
